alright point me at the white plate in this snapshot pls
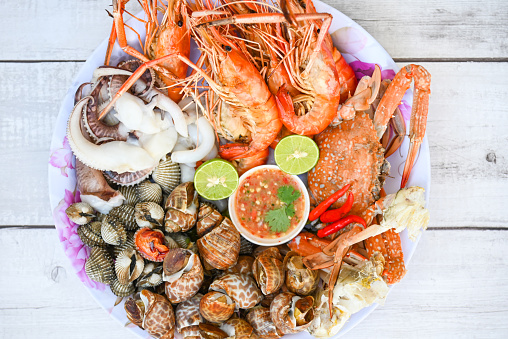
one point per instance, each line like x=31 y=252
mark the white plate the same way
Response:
x=358 y=48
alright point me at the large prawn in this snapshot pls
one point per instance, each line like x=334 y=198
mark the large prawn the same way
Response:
x=170 y=37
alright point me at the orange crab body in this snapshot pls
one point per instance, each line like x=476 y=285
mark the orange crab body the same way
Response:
x=350 y=153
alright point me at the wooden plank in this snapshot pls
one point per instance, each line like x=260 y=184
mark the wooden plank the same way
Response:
x=463 y=29
x=468 y=148
x=449 y=291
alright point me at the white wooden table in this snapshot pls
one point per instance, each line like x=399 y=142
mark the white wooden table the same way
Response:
x=457 y=284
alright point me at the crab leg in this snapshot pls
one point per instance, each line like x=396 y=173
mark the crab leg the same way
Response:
x=399 y=127
x=388 y=244
x=391 y=100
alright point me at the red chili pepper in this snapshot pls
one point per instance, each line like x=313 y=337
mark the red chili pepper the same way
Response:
x=316 y=212
x=336 y=214
x=339 y=224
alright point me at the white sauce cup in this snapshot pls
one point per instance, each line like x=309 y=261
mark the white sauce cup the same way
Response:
x=265 y=241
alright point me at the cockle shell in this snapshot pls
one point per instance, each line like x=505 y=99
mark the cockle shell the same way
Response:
x=130 y=195
x=151 y=244
x=181 y=239
x=149 y=191
x=291 y=313
x=121 y=290
x=167 y=175
x=113 y=231
x=127 y=178
x=158 y=318
x=240 y=287
x=220 y=247
x=90 y=234
x=128 y=266
x=181 y=208
x=260 y=319
x=183 y=274
x=171 y=243
x=149 y=214
x=80 y=213
x=216 y=307
x=208 y=218
x=299 y=279
x=128 y=244
x=246 y=247
x=125 y=213
x=188 y=317
x=151 y=276
x=238 y=328
x=99 y=266
x=268 y=270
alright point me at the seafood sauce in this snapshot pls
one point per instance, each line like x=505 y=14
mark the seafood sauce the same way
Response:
x=259 y=194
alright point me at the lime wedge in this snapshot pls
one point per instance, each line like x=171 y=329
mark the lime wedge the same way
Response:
x=216 y=179
x=296 y=154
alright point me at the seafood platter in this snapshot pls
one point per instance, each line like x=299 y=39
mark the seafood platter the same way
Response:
x=240 y=169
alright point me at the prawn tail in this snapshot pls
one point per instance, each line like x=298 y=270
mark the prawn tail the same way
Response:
x=234 y=151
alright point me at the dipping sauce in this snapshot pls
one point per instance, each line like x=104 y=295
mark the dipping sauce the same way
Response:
x=265 y=199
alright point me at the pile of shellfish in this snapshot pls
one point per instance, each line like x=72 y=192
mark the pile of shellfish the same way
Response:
x=185 y=267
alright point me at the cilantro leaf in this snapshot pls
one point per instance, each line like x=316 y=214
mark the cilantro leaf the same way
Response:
x=290 y=210
x=278 y=220
x=288 y=194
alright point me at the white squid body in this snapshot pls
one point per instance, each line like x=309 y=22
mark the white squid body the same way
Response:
x=118 y=156
x=200 y=145
x=156 y=135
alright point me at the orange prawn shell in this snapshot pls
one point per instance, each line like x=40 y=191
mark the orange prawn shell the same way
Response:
x=350 y=153
x=172 y=38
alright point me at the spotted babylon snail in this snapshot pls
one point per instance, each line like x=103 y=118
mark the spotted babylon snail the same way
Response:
x=268 y=270
x=181 y=208
x=220 y=247
x=153 y=313
x=183 y=274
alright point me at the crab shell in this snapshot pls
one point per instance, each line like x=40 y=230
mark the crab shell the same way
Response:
x=208 y=218
x=268 y=270
x=188 y=317
x=240 y=287
x=291 y=313
x=216 y=307
x=221 y=246
x=181 y=208
x=151 y=244
x=349 y=153
x=183 y=274
x=239 y=329
x=260 y=319
x=299 y=279
x=159 y=319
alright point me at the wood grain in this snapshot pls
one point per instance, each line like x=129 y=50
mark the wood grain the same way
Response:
x=459 y=29
x=461 y=296
x=467 y=143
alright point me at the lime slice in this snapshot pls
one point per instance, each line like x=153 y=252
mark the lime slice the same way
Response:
x=296 y=154
x=216 y=179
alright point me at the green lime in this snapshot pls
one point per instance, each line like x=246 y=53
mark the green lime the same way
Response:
x=216 y=179
x=296 y=154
